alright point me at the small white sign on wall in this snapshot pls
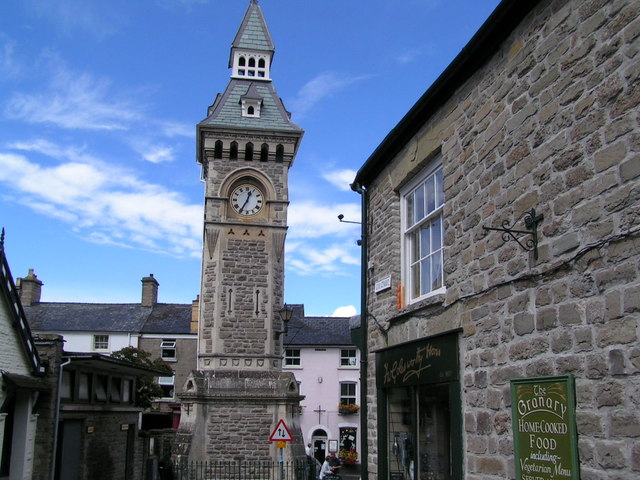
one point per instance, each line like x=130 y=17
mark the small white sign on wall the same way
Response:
x=383 y=284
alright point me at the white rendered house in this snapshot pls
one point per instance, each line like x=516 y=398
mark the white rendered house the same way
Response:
x=320 y=353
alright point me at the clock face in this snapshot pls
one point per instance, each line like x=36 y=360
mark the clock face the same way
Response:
x=247 y=199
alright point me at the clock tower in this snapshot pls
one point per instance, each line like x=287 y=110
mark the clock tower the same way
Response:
x=245 y=146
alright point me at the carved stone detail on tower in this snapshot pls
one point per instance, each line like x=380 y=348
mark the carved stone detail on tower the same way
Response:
x=278 y=244
x=212 y=234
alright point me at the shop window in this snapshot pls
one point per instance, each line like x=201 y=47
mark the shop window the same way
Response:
x=434 y=440
x=348 y=393
x=348 y=357
x=168 y=350
x=421 y=416
x=423 y=204
x=101 y=342
x=292 y=357
x=348 y=453
x=167 y=386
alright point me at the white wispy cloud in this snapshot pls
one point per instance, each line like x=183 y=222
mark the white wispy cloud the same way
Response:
x=317 y=89
x=74 y=101
x=309 y=219
x=306 y=259
x=9 y=66
x=104 y=204
x=340 y=178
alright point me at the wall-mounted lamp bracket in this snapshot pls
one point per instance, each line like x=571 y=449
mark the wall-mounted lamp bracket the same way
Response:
x=342 y=220
x=531 y=221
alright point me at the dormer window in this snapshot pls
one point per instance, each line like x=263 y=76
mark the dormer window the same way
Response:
x=254 y=65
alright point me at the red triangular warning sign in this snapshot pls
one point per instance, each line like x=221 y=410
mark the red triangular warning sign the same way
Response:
x=281 y=433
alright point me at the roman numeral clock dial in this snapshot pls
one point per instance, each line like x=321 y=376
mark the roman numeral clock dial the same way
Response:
x=247 y=200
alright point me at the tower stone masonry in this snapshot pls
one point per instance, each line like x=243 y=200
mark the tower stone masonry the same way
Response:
x=245 y=147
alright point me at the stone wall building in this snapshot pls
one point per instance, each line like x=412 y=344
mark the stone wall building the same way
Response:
x=534 y=127
x=22 y=383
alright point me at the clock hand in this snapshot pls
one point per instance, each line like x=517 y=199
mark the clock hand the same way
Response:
x=245 y=202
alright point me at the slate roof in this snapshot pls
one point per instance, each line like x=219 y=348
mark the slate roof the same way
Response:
x=116 y=317
x=227 y=109
x=304 y=330
x=253 y=33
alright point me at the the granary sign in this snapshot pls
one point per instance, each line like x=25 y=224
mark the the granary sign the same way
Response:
x=544 y=432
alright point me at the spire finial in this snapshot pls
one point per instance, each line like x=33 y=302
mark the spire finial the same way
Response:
x=2 y=239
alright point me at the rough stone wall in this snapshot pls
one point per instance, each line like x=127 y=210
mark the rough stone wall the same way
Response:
x=551 y=123
x=232 y=423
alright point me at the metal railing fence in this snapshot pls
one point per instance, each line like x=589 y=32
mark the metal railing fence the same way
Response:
x=243 y=470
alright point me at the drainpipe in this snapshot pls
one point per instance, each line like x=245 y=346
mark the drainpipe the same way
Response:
x=57 y=420
x=364 y=362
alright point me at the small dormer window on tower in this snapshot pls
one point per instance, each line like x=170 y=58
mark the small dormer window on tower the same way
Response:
x=251 y=102
x=251 y=107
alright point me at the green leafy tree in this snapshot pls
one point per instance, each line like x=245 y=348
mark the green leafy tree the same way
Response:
x=148 y=389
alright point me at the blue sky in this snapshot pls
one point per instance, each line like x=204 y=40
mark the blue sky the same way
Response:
x=99 y=186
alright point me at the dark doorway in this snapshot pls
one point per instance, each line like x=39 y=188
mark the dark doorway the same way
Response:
x=69 y=450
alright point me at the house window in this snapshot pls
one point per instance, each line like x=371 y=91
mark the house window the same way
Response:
x=168 y=350
x=292 y=357
x=423 y=202
x=348 y=393
x=167 y=386
x=101 y=342
x=348 y=357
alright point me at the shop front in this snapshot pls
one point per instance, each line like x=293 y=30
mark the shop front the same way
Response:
x=420 y=416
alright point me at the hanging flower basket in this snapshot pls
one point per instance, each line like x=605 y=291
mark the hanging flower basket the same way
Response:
x=348 y=457
x=349 y=409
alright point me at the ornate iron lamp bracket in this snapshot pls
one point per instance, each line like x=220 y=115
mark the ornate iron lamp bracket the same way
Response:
x=531 y=221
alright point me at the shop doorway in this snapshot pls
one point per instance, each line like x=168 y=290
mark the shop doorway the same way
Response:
x=319 y=442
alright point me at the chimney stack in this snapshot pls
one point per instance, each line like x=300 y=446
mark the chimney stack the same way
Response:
x=149 y=291
x=29 y=288
x=195 y=314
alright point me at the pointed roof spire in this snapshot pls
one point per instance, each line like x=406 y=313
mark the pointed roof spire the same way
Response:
x=253 y=34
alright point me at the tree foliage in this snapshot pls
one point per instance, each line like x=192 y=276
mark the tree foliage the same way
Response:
x=148 y=390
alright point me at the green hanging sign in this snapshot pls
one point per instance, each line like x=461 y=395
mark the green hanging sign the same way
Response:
x=544 y=428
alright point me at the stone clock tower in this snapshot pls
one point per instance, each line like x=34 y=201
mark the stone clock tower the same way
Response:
x=245 y=145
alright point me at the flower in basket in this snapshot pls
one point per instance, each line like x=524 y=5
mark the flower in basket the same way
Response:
x=348 y=408
x=348 y=456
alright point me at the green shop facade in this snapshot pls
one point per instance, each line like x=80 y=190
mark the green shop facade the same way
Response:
x=419 y=409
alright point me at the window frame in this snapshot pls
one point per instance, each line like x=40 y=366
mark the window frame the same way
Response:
x=169 y=347
x=348 y=358
x=409 y=231
x=348 y=398
x=165 y=382
x=95 y=341
x=288 y=357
